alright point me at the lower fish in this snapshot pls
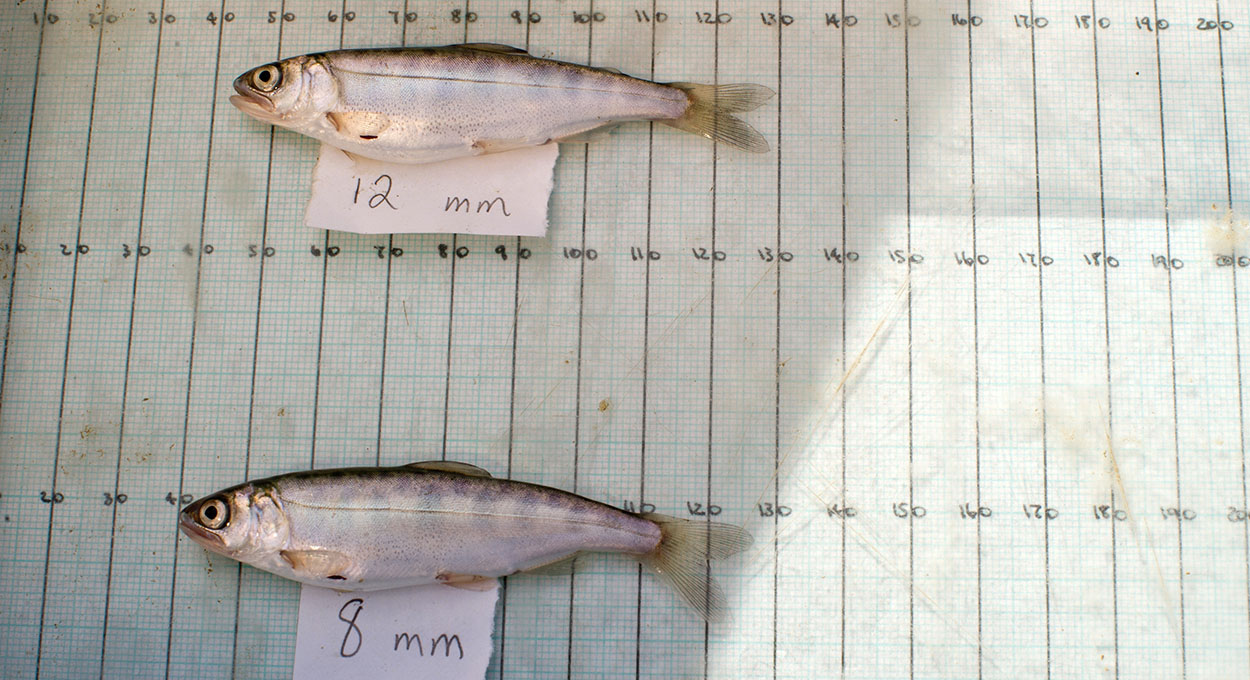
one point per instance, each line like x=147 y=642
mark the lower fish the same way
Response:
x=444 y=522
x=420 y=105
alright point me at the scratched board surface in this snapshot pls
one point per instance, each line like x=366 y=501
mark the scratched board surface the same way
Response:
x=963 y=351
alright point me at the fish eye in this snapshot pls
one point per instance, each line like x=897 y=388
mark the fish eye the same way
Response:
x=267 y=78
x=214 y=513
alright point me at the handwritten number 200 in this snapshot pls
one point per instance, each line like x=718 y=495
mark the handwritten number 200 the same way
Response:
x=1205 y=24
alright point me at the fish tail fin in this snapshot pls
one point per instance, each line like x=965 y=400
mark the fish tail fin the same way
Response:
x=681 y=559
x=709 y=113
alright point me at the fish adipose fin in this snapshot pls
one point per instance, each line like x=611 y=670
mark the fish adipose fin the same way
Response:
x=318 y=563
x=709 y=113
x=450 y=466
x=680 y=560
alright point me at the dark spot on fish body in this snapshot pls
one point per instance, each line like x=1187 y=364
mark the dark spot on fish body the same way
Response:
x=486 y=493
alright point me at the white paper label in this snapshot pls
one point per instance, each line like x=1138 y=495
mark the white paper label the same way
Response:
x=499 y=193
x=434 y=632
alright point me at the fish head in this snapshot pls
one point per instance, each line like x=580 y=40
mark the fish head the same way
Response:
x=245 y=523
x=289 y=93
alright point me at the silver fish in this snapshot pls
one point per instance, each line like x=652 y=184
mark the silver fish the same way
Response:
x=443 y=522
x=420 y=105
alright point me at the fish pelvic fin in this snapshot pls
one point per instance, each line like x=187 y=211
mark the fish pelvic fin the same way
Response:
x=709 y=113
x=681 y=558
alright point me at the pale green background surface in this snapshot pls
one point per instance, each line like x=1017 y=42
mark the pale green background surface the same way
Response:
x=1040 y=379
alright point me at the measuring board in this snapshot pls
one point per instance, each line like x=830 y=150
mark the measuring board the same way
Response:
x=963 y=351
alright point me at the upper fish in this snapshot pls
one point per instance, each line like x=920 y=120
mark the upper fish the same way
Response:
x=443 y=522
x=420 y=105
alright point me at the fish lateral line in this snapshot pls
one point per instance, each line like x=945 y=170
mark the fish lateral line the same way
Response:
x=508 y=83
x=470 y=513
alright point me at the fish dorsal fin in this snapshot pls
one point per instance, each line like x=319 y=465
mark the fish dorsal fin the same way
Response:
x=609 y=69
x=450 y=466
x=493 y=47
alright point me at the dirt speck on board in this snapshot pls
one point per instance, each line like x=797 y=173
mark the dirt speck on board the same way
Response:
x=1227 y=232
x=604 y=405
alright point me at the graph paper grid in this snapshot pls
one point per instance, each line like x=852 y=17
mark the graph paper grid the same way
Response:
x=963 y=350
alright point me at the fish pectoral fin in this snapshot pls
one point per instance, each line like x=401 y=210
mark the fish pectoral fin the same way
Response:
x=494 y=47
x=561 y=567
x=364 y=125
x=450 y=466
x=467 y=581
x=318 y=563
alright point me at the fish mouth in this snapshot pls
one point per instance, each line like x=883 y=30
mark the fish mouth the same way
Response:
x=199 y=534
x=250 y=102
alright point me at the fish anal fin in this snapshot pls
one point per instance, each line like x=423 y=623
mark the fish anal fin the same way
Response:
x=467 y=581
x=327 y=564
x=366 y=125
x=493 y=47
x=561 y=567
x=595 y=135
x=450 y=466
